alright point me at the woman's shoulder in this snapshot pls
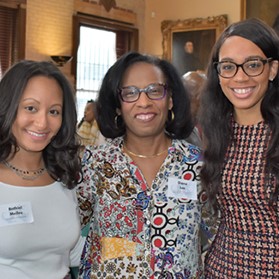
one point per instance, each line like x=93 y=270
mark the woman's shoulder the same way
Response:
x=195 y=137
x=107 y=144
x=187 y=149
x=184 y=144
x=108 y=148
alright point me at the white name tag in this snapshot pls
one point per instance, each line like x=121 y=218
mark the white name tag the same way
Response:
x=16 y=213
x=182 y=189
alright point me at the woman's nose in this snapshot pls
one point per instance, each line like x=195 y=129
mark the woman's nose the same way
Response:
x=143 y=99
x=41 y=120
x=240 y=74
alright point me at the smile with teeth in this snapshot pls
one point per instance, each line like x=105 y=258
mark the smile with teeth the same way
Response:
x=144 y=116
x=242 y=90
x=37 y=134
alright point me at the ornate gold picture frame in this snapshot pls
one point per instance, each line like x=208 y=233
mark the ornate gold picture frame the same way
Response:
x=202 y=32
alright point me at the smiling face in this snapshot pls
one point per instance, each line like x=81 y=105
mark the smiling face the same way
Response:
x=144 y=117
x=244 y=92
x=39 y=114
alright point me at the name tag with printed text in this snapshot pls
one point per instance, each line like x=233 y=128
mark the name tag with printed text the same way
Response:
x=16 y=213
x=182 y=189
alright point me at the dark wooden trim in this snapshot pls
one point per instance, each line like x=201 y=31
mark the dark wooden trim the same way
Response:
x=21 y=26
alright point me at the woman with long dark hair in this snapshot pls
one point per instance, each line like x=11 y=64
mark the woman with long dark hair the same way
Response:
x=39 y=167
x=240 y=120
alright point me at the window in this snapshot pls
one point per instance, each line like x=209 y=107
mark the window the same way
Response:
x=96 y=53
x=97 y=43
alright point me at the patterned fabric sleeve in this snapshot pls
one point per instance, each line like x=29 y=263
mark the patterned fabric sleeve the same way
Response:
x=84 y=190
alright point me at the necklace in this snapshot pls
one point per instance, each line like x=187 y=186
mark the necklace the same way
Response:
x=26 y=174
x=145 y=156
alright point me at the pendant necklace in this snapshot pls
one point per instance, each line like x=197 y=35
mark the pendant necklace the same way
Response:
x=145 y=156
x=25 y=174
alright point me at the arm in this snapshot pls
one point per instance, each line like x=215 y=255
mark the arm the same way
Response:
x=84 y=190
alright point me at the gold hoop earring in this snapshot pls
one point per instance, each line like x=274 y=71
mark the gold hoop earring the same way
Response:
x=172 y=115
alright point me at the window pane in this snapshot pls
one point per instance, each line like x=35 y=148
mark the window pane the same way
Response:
x=96 y=53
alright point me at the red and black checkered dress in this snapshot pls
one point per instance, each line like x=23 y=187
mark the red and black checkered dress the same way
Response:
x=247 y=242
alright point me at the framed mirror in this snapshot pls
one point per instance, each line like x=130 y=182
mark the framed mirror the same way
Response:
x=188 y=43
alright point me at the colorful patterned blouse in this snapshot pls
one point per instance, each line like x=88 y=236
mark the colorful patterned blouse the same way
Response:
x=138 y=232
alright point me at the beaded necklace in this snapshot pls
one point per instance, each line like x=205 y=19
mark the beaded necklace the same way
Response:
x=25 y=174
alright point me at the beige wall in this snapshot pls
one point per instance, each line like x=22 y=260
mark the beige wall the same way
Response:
x=49 y=23
x=49 y=29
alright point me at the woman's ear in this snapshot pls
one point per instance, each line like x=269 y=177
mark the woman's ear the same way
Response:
x=170 y=103
x=273 y=70
x=118 y=111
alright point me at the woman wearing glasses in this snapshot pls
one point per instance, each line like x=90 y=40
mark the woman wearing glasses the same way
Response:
x=141 y=190
x=240 y=120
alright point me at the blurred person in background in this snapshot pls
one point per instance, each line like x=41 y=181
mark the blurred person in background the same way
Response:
x=88 y=129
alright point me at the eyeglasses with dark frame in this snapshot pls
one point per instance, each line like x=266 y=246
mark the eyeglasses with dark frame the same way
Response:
x=251 y=67
x=154 y=91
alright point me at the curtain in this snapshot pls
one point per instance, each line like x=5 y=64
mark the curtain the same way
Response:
x=12 y=35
